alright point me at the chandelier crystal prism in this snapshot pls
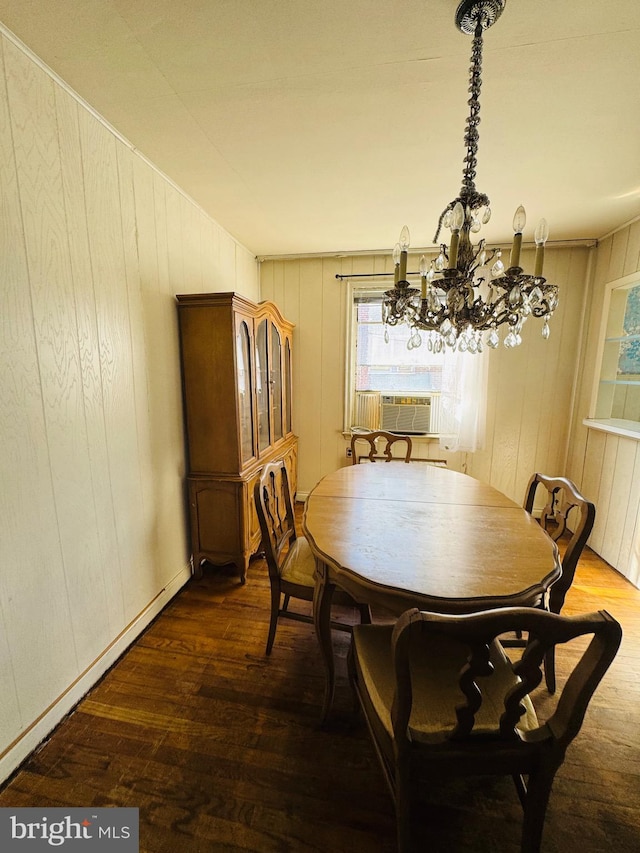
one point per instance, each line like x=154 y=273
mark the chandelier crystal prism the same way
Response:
x=467 y=293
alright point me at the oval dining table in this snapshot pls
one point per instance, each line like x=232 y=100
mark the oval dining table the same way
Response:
x=398 y=535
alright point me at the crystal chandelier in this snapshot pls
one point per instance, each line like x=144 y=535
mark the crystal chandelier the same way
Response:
x=467 y=292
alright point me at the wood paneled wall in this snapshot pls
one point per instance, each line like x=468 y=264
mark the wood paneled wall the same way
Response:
x=94 y=244
x=608 y=466
x=530 y=394
x=530 y=389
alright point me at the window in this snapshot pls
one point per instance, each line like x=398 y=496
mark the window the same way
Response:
x=390 y=385
x=617 y=391
x=382 y=360
x=410 y=389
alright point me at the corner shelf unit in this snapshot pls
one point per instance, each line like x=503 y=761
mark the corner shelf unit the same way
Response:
x=617 y=395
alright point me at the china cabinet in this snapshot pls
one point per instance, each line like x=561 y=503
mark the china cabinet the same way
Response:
x=236 y=377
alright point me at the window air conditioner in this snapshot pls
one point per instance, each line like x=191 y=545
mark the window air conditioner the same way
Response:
x=411 y=415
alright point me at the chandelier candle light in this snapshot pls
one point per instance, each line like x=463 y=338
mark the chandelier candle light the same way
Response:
x=467 y=292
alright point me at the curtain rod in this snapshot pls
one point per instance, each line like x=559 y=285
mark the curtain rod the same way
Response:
x=427 y=250
x=369 y=275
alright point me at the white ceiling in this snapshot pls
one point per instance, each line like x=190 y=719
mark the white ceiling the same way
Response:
x=308 y=127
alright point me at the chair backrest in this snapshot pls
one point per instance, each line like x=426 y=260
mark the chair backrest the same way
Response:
x=477 y=632
x=274 y=508
x=371 y=438
x=562 y=496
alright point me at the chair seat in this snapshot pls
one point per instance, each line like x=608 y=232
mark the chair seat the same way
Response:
x=299 y=568
x=299 y=565
x=435 y=686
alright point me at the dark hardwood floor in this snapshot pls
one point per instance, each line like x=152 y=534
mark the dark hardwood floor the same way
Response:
x=220 y=748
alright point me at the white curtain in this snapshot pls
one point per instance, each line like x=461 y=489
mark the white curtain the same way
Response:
x=463 y=403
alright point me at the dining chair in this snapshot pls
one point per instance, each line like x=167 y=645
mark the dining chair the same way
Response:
x=442 y=699
x=290 y=560
x=562 y=497
x=371 y=438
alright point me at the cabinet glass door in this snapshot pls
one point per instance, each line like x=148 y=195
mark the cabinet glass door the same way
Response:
x=287 y=385
x=262 y=386
x=245 y=413
x=276 y=383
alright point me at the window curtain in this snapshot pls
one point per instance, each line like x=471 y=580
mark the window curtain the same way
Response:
x=463 y=402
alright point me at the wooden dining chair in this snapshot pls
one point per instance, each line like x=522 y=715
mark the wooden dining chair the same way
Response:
x=562 y=498
x=371 y=439
x=442 y=699
x=289 y=558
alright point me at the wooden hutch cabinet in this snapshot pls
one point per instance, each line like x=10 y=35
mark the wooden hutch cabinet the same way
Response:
x=236 y=376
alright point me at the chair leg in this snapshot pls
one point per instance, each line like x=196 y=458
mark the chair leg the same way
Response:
x=550 y=670
x=365 y=614
x=273 y=623
x=403 y=816
x=521 y=788
x=285 y=603
x=351 y=671
x=535 y=808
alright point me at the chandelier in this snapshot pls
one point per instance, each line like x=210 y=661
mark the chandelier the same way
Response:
x=467 y=293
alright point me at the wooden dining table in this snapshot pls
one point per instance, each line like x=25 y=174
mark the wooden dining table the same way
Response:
x=397 y=535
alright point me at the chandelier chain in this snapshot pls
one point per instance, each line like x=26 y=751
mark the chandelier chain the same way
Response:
x=471 y=135
x=469 y=195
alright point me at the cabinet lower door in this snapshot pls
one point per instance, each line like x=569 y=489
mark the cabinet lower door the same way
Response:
x=222 y=512
x=223 y=523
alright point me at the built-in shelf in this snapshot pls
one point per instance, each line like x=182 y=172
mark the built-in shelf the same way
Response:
x=616 y=399
x=620 y=338
x=615 y=426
